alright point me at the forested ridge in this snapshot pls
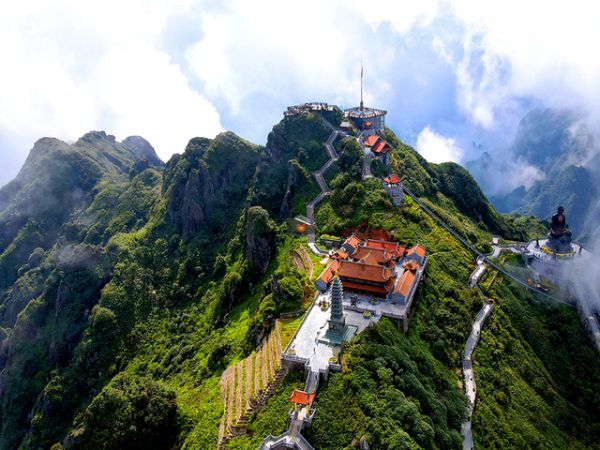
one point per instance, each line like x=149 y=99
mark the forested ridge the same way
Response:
x=127 y=286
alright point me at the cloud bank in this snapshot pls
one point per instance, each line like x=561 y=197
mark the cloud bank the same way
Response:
x=69 y=68
x=436 y=148
x=450 y=73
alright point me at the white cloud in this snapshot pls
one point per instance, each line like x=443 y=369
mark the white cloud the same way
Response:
x=514 y=49
x=436 y=148
x=401 y=14
x=299 y=51
x=69 y=67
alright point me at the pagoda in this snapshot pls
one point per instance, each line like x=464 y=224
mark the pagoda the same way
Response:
x=337 y=320
x=337 y=331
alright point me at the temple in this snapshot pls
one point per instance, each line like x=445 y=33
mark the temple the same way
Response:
x=545 y=255
x=378 y=147
x=394 y=188
x=377 y=268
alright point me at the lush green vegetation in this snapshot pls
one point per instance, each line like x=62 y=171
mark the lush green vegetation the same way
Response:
x=128 y=413
x=537 y=376
x=294 y=149
x=394 y=392
x=120 y=309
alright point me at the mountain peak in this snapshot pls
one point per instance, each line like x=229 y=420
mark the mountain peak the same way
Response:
x=93 y=137
x=142 y=149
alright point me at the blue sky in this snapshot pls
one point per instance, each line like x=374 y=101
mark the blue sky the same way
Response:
x=455 y=76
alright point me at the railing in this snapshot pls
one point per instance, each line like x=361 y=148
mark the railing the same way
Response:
x=294 y=358
x=287 y=347
x=360 y=309
x=478 y=253
x=303 y=443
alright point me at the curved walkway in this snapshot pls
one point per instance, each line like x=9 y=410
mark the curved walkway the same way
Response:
x=310 y=206
x=468 y=375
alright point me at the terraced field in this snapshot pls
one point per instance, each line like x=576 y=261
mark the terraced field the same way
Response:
x=246 y=385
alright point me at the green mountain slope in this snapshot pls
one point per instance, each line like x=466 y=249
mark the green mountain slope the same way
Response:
x=120 y=318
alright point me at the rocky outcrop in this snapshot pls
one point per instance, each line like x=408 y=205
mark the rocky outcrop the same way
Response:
x=142 y=149
x=188 y=197
x=209 y=183
x=259 y=238
x=297 y=177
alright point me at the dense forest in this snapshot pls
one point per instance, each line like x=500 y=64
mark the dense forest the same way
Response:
x=127 y=286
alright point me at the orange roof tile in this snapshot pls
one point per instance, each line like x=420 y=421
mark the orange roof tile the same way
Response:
x=369 y=259
x=392 y=179
x=366 y=272
x=329 y=271
x=377 y=255
x=405 y=282
x=371 y=140
x=381 y=147
x=353 y=241
x=418 y=249
x=301 y=397
x=339 y=254
x=394 y=248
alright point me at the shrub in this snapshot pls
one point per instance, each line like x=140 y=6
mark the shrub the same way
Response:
x=131 y=412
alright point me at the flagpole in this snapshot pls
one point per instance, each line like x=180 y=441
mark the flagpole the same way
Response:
x=361 y=85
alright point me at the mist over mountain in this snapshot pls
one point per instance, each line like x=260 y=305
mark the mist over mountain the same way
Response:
x=555 y=153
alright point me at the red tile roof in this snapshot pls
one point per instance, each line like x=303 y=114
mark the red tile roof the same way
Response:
x=367 y=272
x=371 y=140
x=301 y=398
x=410 y=265
x=392 y=247
x=369 y=259
x=381 y=147
x=329 y=271
x=405 y=282
x=378 y=255
x=418 y=249
x=353 y=241
x=339 y=254
x=392 y=179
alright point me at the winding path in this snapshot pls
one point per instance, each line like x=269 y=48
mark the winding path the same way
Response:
x=310 y=206
x=366 y=168
x=468 y=374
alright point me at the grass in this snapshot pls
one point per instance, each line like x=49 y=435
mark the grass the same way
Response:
x=288 y=328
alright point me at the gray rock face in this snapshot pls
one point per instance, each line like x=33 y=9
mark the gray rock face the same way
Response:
x=142 y=149
x=209 y=182
x=188 y=199
x=295 y=179
x=259 y=240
